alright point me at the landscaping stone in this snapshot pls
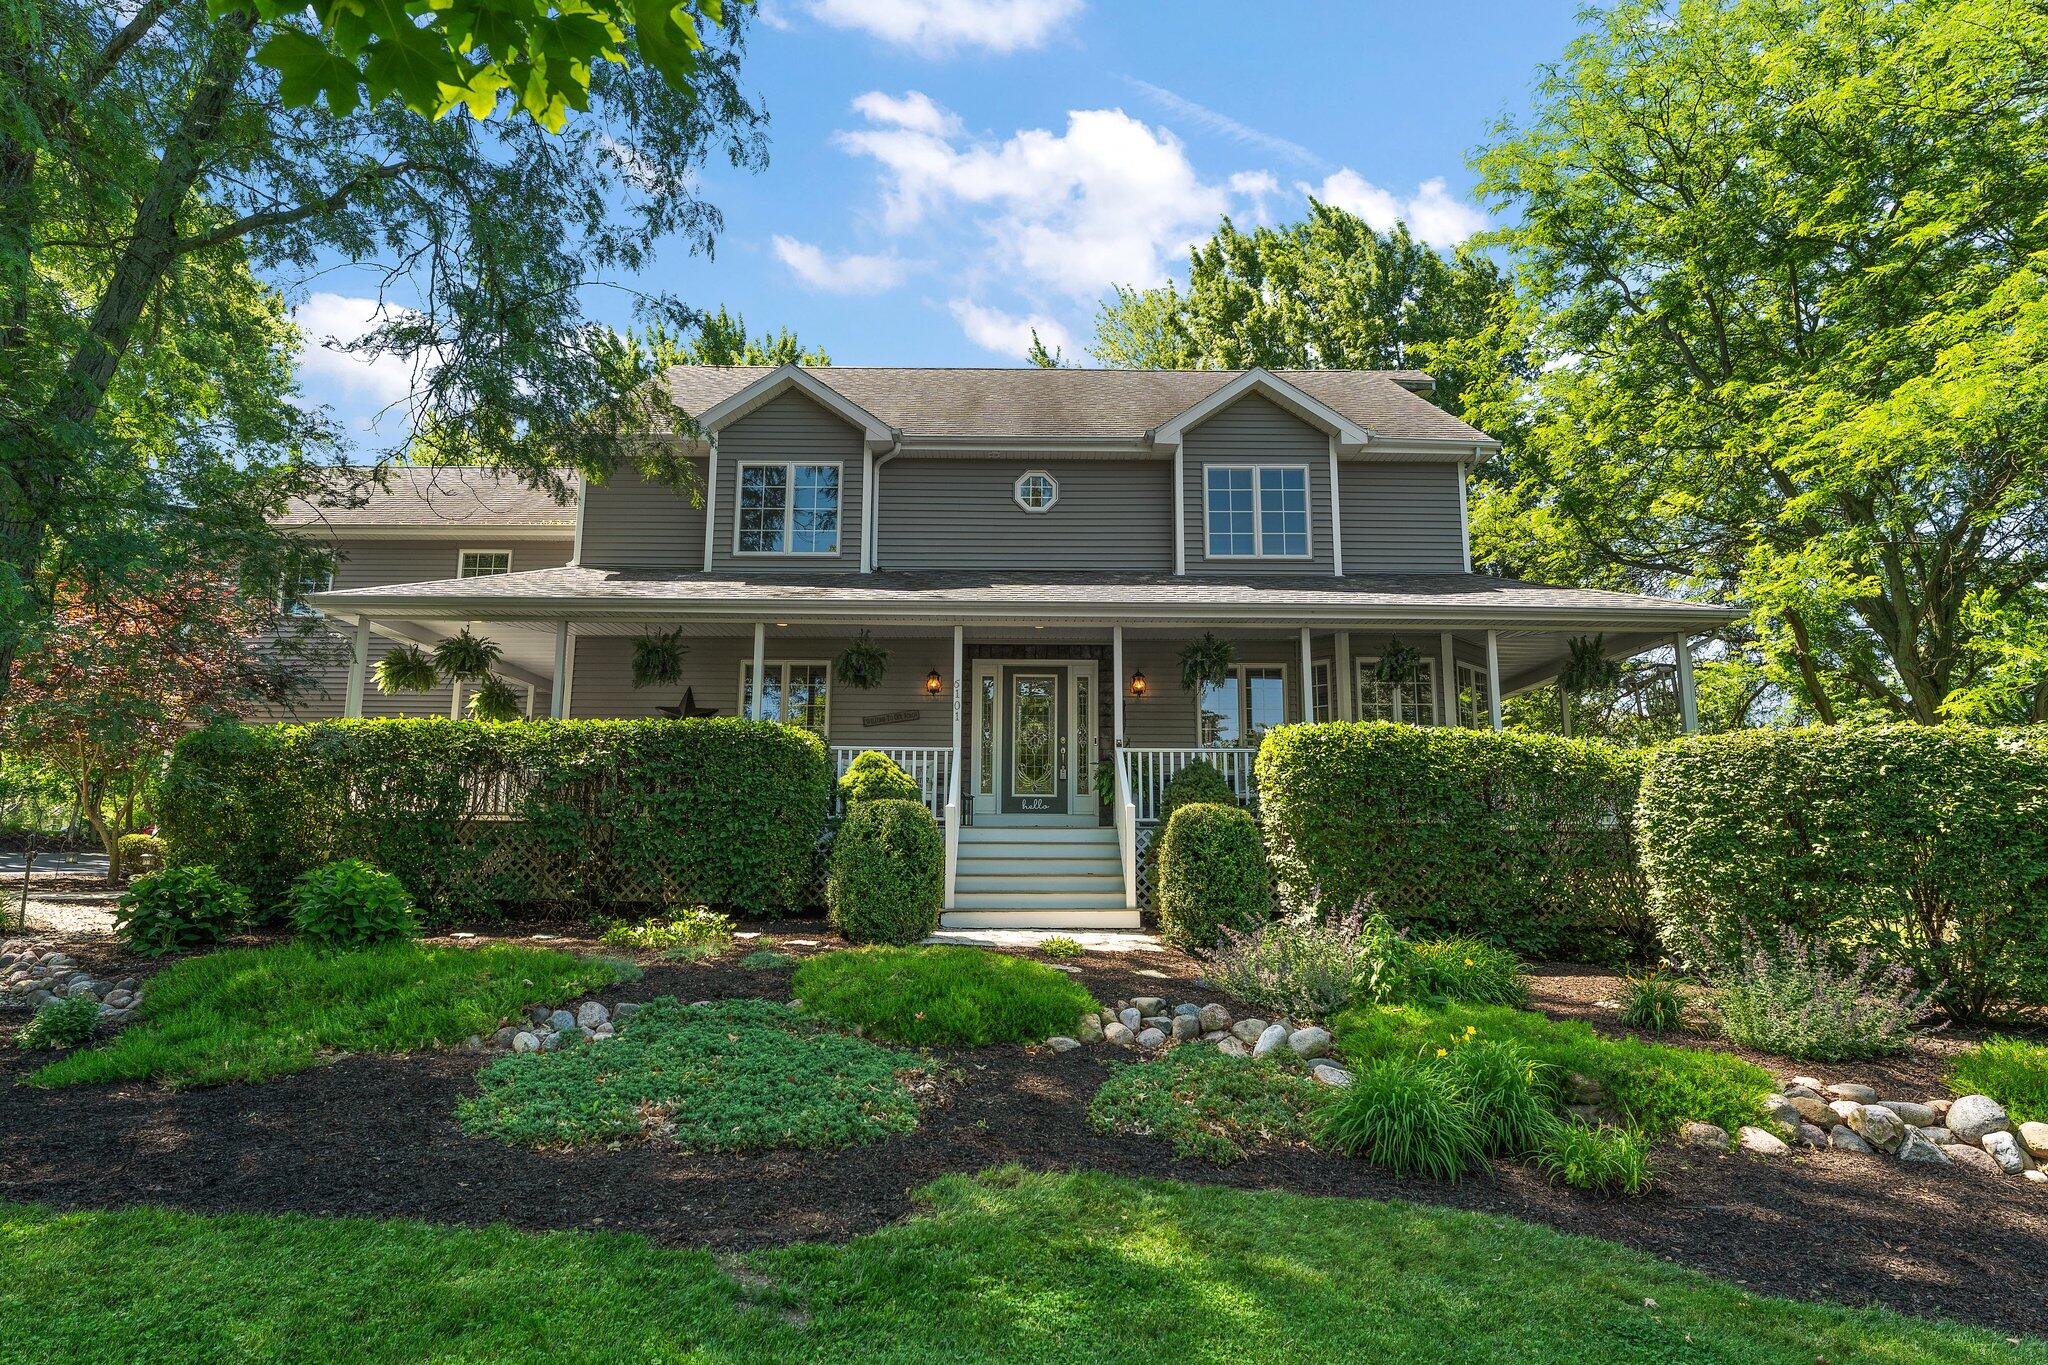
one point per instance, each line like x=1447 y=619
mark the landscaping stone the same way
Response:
x=1580 y=1088
x=1917 y=1115
x=1936 y=1134
x=1187 y=1007
x=2034 y=1137
x=626 y=1010
x=1119 y=1034
x=1162 y=1022
x=1186 y=1026
x=1248 y=1030
x=1920 y=1152
x=1844 y=1139
x=1130 y=1018
x=504 y=1036
x=524 y=1041
x=1233 y=1047
x=1974 y=1158
x=1148 y=1004
x=1940 y=1106
x=1309 y=1042
x=1842 y=1109
x=590 y=1014
x=1782 y=1110
x=1879 y=1127
x=1215 y=1036
x=1062 y=1043
x=1151 y=1038
x=1696 y=1134
x=2005 y=1149
x=1813 y=1109
x=1972 y=1116
x=1813 y=1083
x=1796 y=1091
x=1762 y=1143
x=1214 y=1017
x=1813 y=1136
x=561 y=1019
x=1090 y=1030
x=1329 y=1073
x=1848 y=1090
x=2037 y=1175
x=1271 y=1041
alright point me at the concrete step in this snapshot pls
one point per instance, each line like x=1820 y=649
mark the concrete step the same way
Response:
x=1101 y=884
x=1037 y=834
x=1040 y=918
x=1038 y=900
x=1047 y=866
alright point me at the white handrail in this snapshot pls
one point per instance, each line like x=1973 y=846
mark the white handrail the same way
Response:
x=952 y=834
x=1127 y=833
x=930 y=766
x=1149 y=770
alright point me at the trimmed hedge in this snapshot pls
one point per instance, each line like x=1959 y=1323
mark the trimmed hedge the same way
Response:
x=1526 y=841
x=888 y=873
x=1212 y=875
x=601 y=812
x=874 y=776
x=1927 y=845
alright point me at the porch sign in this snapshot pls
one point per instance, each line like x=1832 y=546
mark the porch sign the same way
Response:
x=889 y=718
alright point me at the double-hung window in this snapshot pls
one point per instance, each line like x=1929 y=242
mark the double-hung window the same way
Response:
x=1240 y=709
x=1409 y=703
x=1474 y=708
x=797 y=693
x=787 y=509
x=293 y=598
x=1257 y=511
x=483 y=563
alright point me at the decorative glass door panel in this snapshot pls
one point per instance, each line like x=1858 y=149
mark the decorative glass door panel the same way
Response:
x=1034 y=741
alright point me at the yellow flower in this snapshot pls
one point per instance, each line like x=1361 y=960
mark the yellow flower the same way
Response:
x=1470 y=1030
x=1468 y=962
x=1441 y=1053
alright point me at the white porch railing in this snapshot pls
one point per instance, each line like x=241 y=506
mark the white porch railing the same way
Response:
x=1147 y=771
x=1127 y=834
x=951 y=819
x=930 y=767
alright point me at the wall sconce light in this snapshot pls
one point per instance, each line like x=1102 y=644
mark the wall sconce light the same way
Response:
x=933 y=683
x=1138 y=683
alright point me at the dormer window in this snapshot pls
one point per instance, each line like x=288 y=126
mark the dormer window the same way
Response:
x=1037 y=491
x=1257 y=511
x=787 y=509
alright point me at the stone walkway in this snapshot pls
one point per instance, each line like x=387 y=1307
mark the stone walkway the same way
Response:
x=66 y=914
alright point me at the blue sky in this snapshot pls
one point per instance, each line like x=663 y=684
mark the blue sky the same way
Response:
x=944 y=174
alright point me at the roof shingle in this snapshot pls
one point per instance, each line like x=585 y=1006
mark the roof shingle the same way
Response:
x=439 y=495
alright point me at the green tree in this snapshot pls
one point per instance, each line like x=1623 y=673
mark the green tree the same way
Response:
x=1786 y=266
x=149 y=151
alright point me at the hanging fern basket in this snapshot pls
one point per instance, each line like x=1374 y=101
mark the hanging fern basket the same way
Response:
x=1204 y=661
x=862 y=664
x=466 y=656
x=496 y=699
x=1398 y=663
x=407 y=669
x=658 y=659
x=1588 y=667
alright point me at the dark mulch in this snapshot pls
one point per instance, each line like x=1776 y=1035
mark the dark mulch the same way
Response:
x=376 y=1136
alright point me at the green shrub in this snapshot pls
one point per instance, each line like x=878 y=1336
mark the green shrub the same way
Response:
x=1792 y=999
x=2012 y=1071
x=1521 y=840
x=1212 y=875
x=874 y=776
x=1652 y=1002
x=178 y=909
x=887 y=875
x=1504 y=1092
x=737 y=1076
x=1927 y=845
x=1211 y=1106
x=1408 y=1115
x=1199 y=783
x=1604 y=1158
x=140 y=854
x=696 y=926
x=1654 y=1087
x=767 y=960
x=349 y=904
x=1308 y=966
x=942 y=997
x=60 y=1023
x=1059 y=946
x=1464 y=969
x=657 y=812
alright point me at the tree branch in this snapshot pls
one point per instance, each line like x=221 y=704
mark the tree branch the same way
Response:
x=273 y=218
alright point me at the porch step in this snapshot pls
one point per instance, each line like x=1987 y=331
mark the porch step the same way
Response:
x=973 y=881
x=1040 y=919
x=1056 y=873
x=1038 y=900
x=1037 y=834
x=1005 y=865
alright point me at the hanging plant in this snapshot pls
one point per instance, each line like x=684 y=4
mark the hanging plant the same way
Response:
x=658 y=659
x=1205 y=661
x=1398 y=663
x=464 y=656
x=862 y=663
x=496 y=699
x=407 y=669
x=1588 y=668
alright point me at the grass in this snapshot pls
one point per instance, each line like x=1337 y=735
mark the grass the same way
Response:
x=1007 y=1266
x=1408 y=1115
x=1655 y=1087
x=1210 y=1106
x=1467 y=970
x=942 y=997
x=2010 y=1070
x=1652 y=1002
x=1603 y=1158
x=767 y=960
x=736 y=1076
x=251 y=1013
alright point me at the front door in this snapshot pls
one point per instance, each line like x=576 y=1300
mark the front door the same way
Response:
x=1035 y=759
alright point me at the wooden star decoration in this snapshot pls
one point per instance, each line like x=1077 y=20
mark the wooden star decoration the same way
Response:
x=687 y=708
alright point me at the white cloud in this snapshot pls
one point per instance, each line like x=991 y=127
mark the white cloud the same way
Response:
x=1203 y=116
x=1255 y=188
x=1432 y=214
x=1103 y=203
x=1008 y=333
x=914 y=110
x=331 y=322
x=848 y=274
x=934 y=27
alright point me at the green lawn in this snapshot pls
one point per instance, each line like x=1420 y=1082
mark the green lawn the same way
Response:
x=943 y=996
x=2012 y=1071
x=1008 y=1267
x=251 y=1013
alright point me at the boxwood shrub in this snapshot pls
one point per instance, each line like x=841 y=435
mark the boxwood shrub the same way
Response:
x=1526 y=841
x=874 y=776
x=592 y=812
x=1212 y=875
x=1928 y=845
x=888 y=873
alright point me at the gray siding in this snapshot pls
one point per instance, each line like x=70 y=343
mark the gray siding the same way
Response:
x=791 y=427
x=1401 y=518
x=632 y=522
x=963 y=514
x=1255 y=430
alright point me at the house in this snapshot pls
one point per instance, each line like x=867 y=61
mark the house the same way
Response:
x=1032 y=549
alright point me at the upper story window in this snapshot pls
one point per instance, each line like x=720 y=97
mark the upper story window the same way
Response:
x=293 y=598
x=788 y=509
x=1037 y=491
x=483 y=563
x=1257 y=511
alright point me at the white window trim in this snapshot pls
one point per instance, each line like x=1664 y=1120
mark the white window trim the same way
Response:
x=1361 y=669
x=785 y=665
x=1325 y=670
x=1017 y=491
x=1308 y=489
x=461 y=555
x=739 y=472
x=290 y=596
x=1480 y=687
x=1288 y=703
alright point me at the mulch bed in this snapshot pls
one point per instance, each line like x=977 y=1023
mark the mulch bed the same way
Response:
x=377 y=1137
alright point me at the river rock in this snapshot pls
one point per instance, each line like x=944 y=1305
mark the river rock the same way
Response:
x=1119 y=1034
x=1813 y=1109
x=1232 y=1046
x=561 y=1019
x=1762 y=1143
x=1813 y=1136
x=1214 y=1017
x=2034 y=1137
x=1693 y=1133
x=1782 y=1110
x=2005 y=1149
x=1920 y=1152
x=1061 y=1043
x=1849 y=1090
x=1248 y=1030
x=523 y=1041
x=1151 y=1038
x=1918 y=1115
x=1148 y=1004
x=1813 y=1083
x=1271 y=1041
x=1309 y=1042
x=1938 y=1135
x=1974 y=1159
x=1844 y=1139
x=1130 y=1018
x=1972 y=1116
x=590 y=1014
x=1842 y=1109
x=1186 y=1026
x=1878 y=1126
x=1187 y=1007
x=1329 y=1073
x=1090 y=1028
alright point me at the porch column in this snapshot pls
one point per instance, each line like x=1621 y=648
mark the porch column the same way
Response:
x=529 y=701
x=455 y=700
x=1447 y=669
x=959 y=685
x=1688 y=703
x=1343 y=691
x=1308 y=677
x=1564 y=709
x=358 y=669
x=558 y=695
x=1493 y=677
x=1116 y=684
x=760 y=670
